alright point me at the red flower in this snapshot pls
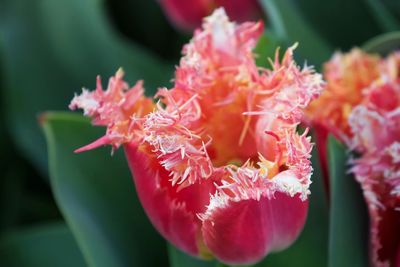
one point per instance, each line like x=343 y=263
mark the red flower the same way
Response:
x=361 y=107
x=346 y=76
x=188 y=15
x=376 y=129
x=217 y=162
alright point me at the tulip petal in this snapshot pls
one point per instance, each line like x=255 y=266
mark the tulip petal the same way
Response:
x=172 y=212
x=244 y=232
x=385 y=230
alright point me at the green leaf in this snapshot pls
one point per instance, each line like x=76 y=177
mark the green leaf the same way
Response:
x=24 y=198
x=383 y=16
x=266 y=47
x=383 y=44
x=51 y=48
x=348 y=233
x=342 y=23
x=393 y=6
x=288 y=25
x=96 y=195
x=11 y=193
x=40 y=246
x=178 y=258
x=311 y=248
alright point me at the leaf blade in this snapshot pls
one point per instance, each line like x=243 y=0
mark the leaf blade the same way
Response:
x=40 y=246
x=288 y=25
x=383 y=16
x=383 y=44
x=96 y=196
x=348 y=214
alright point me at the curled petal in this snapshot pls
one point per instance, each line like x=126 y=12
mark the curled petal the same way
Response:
x=244 y=232
x=116 y=108
x=173 y=213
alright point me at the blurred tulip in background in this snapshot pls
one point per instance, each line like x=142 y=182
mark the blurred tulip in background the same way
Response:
x=188 y=15
x=361 y=107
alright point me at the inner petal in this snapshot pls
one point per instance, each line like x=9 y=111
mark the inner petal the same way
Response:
x=231 y=132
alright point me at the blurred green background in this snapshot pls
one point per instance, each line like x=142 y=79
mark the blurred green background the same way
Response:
x=54 y=204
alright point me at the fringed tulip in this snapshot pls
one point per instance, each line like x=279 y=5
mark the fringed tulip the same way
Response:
x=376 y=129
x=361 y=107
x=346 y=75
x=218 y=164
x=188 y=15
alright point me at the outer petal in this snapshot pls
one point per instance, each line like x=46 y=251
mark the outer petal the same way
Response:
x=397 y=262
x=385 y=226
x=173 y=213
x=246 y=231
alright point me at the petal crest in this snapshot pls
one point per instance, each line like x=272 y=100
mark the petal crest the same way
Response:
x=244 y=232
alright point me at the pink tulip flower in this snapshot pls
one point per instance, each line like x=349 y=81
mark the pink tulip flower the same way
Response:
x=346 y=75
x=376 y=129
x=361 y=107
x=217 y=162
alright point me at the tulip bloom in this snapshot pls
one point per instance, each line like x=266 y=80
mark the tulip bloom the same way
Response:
x=188 y=15
x=217 y=162
x=361 y=107
x=346 y=76
x=376 y=129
